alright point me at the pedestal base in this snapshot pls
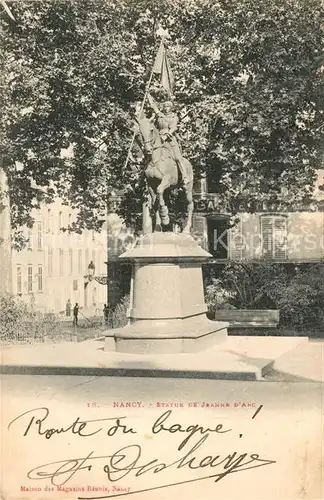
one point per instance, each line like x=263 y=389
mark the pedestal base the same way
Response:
x=167 y=311
x=238 y=358
x=184 y=336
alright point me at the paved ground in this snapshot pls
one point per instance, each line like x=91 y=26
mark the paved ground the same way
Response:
x=238 y=358
x=287 y=429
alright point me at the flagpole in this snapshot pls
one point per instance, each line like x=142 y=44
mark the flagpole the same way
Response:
x=142 y=107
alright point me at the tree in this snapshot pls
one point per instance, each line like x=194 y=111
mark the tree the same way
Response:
x=249 y=90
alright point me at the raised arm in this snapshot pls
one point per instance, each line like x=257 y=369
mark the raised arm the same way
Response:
x=153 y=105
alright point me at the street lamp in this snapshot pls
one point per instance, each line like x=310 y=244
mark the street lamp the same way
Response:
x=91 y=270
x=102 y=279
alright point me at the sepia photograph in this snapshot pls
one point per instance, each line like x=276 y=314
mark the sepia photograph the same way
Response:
x=162 y=249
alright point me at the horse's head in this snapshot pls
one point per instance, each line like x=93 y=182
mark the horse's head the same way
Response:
x=147 y=128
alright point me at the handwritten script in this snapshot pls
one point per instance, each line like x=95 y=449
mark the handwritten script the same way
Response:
x=129 y=460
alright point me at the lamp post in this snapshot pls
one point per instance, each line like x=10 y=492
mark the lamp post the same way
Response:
x=91 y=273
x=102 y=279
x=91 y=270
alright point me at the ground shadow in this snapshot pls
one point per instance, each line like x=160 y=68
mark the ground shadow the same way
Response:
x=145 y=370
x=269 y=373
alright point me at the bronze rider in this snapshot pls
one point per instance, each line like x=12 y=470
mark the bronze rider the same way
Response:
x=167 y=125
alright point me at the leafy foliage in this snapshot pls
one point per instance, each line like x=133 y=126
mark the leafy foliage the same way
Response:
x=301 y=299
x=297 y=291
x=217 y=297
x=247 y=284
x=117 y=317
x=249 y=91
x=20 y=322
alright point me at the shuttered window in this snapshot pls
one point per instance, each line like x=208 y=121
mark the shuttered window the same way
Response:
x=39 y=236
x=70 y=260
x=50 y=261
x=30 y=240
x=237 y=243
x=274 y=237
x=199 y=226
x=49 y=220
x=19 y=280
x=40 y=278
x=80 y=265
x=61 y=262
x=30 y=279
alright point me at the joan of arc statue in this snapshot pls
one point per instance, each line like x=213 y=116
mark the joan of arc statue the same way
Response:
x=166 y=121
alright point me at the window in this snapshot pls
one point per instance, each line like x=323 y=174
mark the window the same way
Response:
x=49 y=220
x=70 y=260
x=87 y=260
x=30 y=240
x=40 y=278
x=237 y=242
x=274 y=237
x=19 y=280
x=39 y=236
x=75 y=285
x=69 y=224
x=60 y=220
x=218 y=238
x=50 y=261
x=200 y=185
x=30 y=279
x=61 y=262
x=80 y=268
x=213 y=177
x=200 y=230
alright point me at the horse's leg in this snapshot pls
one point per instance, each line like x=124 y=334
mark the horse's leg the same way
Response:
x=163 y=209
x=154 y=209
x=190 y=207
x=147 y=224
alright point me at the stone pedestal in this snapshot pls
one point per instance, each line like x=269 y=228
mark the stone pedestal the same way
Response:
x=167 y=311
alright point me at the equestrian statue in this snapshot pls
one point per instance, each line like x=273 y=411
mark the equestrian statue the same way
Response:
x=163 y=161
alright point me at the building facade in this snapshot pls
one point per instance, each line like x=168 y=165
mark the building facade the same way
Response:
x=52 y=271
x=270 y=232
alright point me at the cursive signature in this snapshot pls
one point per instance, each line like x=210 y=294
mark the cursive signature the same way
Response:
x=129 y=460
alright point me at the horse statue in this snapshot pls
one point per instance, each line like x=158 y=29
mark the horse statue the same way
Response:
x=161 y=172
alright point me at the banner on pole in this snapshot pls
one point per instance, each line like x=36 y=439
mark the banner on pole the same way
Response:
x=163 y=68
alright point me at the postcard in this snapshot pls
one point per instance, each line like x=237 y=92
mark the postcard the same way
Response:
x=161 y=250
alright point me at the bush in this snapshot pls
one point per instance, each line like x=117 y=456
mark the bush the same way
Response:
x=217 y=297
x=13 y=317
x=18 y=321
x=246 y=285
x=118 y=315
x=297 y=291
x=301 y=299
